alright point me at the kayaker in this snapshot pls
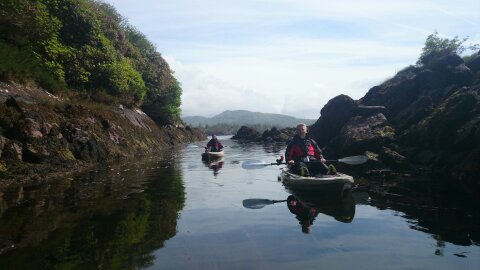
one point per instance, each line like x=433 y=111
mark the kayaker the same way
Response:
x=302 y=152
x=214 y=145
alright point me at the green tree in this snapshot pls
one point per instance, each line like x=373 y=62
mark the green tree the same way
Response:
x=436 y=47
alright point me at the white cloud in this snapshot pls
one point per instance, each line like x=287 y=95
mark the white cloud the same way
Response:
x=288 y=56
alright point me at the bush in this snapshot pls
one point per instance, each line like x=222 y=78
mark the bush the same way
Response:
x=436 y=47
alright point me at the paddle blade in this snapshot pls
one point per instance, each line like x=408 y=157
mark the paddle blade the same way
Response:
x=254 y=164
x=354 y=160
x=258 y=203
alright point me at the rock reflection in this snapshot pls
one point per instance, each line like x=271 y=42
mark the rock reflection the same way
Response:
x=97 y=221
x=444 y=212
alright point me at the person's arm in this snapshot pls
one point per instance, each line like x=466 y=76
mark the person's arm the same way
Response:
x=220 y=146
x=290 y=153
x=317 y=152
x=287 y=153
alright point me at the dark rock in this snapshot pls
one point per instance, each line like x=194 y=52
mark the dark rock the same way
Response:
x=54 y=130
x=12 y=151
x=87 y=149
x=362 y=134
x=440 y=63
x=247 y=134
x=12 y=102
x=334 y=115
x=366 y=111
x=34 y=154
x=3 y=141
x=474 y=64
x=393 y=159
x=46 y=127
x=275 y=135
x=32 y=129
x=106 y=124
x=462 y=75
x=413 y=113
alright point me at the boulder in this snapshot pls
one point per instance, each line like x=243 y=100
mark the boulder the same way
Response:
x=393 y=159
x=32 y=129
x=88 y=149
x=462 y=75
x=362 y=134
x=474 y=64
x=34 y=154
x=12 y=151
x=443 y=62
x=333 y=117
x=247 y=134
x=275 y=135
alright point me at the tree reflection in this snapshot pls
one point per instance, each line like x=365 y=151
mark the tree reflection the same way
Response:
x=105 y=220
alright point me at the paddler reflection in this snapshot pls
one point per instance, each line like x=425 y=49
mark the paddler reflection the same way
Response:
x=307 y=208
x=214 y=165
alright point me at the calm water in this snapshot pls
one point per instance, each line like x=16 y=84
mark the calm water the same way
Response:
x=175 y=212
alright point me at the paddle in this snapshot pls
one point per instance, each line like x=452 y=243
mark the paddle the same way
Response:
x=259 y=203
x=258 y=164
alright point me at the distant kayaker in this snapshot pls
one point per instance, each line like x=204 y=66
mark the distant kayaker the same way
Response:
x=301 y=151
x=214 y=145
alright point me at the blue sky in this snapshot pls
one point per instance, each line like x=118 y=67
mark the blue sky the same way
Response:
x=290 y=56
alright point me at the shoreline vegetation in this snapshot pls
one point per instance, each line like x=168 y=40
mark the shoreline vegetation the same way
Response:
x=79 y=86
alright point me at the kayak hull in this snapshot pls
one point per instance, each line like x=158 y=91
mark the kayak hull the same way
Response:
x=212 y=155
x=297 y=182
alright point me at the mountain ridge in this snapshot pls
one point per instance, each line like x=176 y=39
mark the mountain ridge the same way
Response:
x=245 y=117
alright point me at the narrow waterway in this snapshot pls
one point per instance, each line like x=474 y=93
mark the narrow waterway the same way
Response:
x=176 y=212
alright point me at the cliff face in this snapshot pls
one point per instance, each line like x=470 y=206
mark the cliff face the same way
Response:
x=41 y=133
x=428 y=115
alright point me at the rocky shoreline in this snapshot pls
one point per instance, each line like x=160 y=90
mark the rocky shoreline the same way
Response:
x=43 y=135
x=425 y=118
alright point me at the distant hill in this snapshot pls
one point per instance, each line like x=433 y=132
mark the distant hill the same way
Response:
x=244 y=117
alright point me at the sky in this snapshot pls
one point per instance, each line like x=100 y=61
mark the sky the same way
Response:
x=290 y=56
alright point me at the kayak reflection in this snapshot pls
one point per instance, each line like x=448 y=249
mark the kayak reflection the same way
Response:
x=306 y=208
x=214 y=165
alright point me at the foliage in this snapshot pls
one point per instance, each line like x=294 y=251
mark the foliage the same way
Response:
x=85 y=46
x=436 y=46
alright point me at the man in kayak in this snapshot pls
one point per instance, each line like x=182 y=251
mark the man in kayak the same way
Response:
x=303 y=154
x=214 y=145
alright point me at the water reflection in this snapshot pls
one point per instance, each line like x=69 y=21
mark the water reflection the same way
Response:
x=445 y=213
x=103 y=220
x=307 y=206
x=214 y=164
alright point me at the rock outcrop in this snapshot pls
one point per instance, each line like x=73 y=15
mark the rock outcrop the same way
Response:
x=39 y=133
x=425 y=115
x=273 y=135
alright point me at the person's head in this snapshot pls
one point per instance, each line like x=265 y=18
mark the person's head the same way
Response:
x=302 y=130
x=306 y=228
x=214 y=136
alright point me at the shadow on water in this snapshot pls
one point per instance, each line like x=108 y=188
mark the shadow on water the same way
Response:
x=434 y=206
x=108 y=219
